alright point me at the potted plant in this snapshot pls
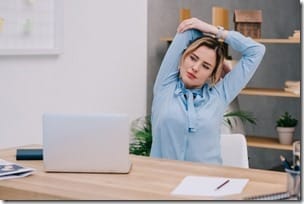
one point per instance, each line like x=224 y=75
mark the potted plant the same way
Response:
x=244 y=116
x=141 y=130
x=285 y=128
x=142 y=136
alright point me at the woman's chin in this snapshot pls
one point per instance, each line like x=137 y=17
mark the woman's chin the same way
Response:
x=189 y=86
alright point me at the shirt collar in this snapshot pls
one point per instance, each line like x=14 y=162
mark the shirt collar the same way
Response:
x=191 y=99
x=197 y=93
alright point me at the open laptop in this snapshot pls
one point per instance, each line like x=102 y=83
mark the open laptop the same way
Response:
x=86 y=143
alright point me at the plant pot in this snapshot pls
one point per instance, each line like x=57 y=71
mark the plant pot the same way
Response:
x=285 y=134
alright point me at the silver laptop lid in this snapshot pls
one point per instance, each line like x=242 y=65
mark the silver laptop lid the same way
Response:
x=86 y=142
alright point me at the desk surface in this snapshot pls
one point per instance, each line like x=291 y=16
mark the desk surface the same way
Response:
x=149 y=179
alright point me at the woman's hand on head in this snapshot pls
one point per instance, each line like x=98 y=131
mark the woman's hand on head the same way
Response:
x=227 y=67
x=195 y=23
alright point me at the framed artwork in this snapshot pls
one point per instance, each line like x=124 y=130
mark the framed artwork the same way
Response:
x=31 y=27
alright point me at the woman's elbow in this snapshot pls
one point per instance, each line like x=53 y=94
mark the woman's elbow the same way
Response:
x=261 y=50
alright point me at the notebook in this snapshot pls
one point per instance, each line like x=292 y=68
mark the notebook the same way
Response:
x=86 y=143
x=272 y=196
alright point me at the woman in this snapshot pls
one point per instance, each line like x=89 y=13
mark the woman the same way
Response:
x=190 y=97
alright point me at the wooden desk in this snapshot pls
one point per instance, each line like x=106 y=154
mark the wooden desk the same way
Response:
x=149 y=179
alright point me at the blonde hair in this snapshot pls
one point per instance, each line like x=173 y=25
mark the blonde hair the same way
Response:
x=213 y=44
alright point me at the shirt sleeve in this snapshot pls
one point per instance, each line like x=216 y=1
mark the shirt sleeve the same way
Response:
x=251 y=55
x=169 y=66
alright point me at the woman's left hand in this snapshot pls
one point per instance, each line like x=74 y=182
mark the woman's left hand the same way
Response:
x=227 y=67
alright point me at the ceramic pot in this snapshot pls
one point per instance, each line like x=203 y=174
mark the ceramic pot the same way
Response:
x=285 y=134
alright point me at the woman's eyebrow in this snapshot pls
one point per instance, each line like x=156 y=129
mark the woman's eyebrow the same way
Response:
x=197 y=57
x=194 y=55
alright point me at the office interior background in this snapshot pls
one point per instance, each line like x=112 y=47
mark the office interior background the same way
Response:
x=111 y=55
x=281 y=62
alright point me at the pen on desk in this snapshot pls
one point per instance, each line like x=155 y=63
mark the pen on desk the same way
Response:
x=285 y=162
x=220 y=186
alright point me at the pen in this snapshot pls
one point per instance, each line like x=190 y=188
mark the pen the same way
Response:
x=220 y=186
x=285 y=162
x=297 y=166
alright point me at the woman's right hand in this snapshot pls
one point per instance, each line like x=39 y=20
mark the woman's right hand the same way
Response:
x=195 y=23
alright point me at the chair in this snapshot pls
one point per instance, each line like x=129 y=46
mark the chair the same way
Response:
x=234 y=150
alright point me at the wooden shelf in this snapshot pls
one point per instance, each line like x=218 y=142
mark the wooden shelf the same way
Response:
x=261 y=40
x=264 y=142
x=167 y=39
x=282 y=41
x=268 y=92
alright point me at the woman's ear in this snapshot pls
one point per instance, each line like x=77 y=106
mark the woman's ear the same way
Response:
x=218 y=74
x=227 y=67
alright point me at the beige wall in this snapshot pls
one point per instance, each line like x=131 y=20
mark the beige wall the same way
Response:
x=102 y=69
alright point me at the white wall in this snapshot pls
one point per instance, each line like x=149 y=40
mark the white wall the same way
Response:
x=103 y=69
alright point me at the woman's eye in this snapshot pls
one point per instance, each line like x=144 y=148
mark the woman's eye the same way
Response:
x=205 y=66
x=192 y=58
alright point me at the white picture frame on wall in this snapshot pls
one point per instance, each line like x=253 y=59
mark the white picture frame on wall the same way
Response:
x=31 y=27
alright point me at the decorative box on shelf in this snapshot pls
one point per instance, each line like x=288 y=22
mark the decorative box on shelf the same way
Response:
x=248 y=22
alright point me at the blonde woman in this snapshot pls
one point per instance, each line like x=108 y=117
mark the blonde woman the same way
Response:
x=190 y=94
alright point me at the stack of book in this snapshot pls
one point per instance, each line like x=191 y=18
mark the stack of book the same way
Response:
x=293 y=87
x=296 y=35
x=9 y=170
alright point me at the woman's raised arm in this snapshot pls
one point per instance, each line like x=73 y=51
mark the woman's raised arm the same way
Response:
x=169 y=66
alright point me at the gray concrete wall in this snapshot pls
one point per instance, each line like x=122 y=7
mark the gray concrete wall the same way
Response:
x=282 y=61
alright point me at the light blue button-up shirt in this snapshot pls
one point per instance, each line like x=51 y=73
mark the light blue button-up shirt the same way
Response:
x=186 y=122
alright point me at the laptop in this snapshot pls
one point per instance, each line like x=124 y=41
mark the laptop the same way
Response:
x=97 y=143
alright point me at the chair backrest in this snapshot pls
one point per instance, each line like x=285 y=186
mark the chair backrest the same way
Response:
x=234 y=150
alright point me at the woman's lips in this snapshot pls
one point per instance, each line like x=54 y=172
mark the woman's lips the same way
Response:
x=190 y=75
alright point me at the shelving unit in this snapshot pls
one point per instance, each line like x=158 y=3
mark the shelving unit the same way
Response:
x=264 y=141
x=268 y=92
x=261 y=40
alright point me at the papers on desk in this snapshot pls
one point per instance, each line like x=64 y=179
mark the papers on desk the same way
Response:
x=208 y=186
x=10 y=170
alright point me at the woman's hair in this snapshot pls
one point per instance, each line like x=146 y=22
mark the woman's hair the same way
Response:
x=213 y=44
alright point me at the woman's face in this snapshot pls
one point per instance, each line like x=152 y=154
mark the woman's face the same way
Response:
x=197 y=67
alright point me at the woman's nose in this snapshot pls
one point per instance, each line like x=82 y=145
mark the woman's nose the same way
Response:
x=195 y=67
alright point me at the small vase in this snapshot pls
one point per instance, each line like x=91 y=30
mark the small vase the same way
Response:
x=285 y=134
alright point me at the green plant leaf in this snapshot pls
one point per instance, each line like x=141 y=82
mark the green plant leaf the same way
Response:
x=286 y=120
x=142 y=131
x=244 y=116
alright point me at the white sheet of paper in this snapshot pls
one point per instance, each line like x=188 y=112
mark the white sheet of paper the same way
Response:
x=206 y=186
